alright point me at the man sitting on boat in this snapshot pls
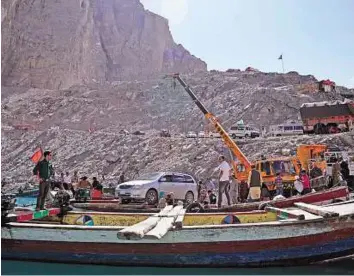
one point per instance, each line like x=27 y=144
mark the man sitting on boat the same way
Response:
x=212 y=197
x=83 y=189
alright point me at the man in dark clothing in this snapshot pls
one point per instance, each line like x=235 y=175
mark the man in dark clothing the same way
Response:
x=96 y=185
x=254 y=184
x=344 y=169
x=315 y=171
x=212 y=197
x=44 y=170
x=121 y=178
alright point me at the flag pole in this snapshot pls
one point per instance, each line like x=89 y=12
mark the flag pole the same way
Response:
x=282 y=64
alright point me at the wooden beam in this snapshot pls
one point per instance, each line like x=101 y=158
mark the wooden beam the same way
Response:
x=138 y=231
x=317 y=210
x=285 y=214
x=165 y=224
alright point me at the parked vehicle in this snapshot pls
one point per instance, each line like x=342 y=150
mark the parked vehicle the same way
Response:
x=202 y=134
x=243 y=131
x=214 y=135
x=327 y=117
x=286 y=129
x=149 y=186
x=191 y=134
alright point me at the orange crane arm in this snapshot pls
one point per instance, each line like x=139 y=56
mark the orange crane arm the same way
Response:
x=224 y=135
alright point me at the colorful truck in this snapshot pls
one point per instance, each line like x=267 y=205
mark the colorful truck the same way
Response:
x=327 y=117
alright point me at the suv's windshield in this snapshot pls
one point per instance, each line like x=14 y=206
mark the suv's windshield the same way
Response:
x=148 y=176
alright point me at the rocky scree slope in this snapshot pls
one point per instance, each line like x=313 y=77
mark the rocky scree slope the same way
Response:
x=110 y=154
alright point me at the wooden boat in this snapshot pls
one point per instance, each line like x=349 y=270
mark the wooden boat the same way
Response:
x=274 y=236
x=321 y=197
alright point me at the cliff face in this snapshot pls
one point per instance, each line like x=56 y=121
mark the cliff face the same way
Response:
x=55 y=44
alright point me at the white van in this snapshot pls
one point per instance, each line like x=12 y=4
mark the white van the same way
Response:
x=291 y=128
x=243 y=131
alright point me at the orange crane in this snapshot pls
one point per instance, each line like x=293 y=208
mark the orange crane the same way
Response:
x=268 y=167
x=224 y=135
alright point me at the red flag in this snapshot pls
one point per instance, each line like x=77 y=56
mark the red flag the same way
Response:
x=37 y=155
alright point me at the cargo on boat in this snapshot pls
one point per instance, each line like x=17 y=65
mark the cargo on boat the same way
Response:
x=301 y=235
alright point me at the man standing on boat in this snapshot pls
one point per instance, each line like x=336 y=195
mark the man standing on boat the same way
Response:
x=44 y=170
x=254 y=183
x=224 y=180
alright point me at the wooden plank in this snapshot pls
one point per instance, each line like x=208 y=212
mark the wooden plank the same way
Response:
x=179 y=221
x=138 y=231
x=164 y=224
x=317 y=210
x=285 y=214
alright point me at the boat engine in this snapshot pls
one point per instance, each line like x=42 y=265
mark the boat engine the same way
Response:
x=61 y=199
x=8 y=203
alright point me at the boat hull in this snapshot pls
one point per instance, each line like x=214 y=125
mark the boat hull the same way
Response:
x=277 y=243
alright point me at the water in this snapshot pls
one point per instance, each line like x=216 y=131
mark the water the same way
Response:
x=345 y=267
x=26 y=201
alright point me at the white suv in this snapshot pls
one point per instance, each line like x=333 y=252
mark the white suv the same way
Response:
x=242 y=131
x=148 y=187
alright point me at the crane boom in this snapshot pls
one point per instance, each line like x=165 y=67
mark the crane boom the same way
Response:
x=224 y=135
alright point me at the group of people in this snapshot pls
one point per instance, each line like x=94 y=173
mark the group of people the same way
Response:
x=45 y=173
x=255 y=189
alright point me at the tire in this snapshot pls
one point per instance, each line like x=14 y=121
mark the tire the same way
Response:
x=195 y=207
x=247 y=136
x=151 y=197
x=234 y=136
x=278 y=135
x=189 y=197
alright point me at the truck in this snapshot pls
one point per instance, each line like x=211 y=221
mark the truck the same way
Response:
x=327 y=117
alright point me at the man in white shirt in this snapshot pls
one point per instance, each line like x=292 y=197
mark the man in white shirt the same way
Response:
x=67 y=181
x=224 y=180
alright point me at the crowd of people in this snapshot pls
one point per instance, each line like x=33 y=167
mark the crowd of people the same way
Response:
x=254 y=189
x=50 y=180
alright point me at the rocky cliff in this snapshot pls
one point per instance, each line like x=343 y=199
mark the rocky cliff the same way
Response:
x=55 y=44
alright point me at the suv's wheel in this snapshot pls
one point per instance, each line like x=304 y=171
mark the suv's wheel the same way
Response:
x=151 y=197
x=233 y=136
x=247 y=136
x=189 y=197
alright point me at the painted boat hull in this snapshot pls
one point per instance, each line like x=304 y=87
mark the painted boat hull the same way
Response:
x=259 y=244
x=318 y=197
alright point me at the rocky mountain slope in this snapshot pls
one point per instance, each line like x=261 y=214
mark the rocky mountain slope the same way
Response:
x=60 y=120
x=56 y=44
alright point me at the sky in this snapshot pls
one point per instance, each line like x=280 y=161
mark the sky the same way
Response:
x=314 y=36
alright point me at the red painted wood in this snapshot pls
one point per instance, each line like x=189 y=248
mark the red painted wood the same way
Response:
x=176 y=248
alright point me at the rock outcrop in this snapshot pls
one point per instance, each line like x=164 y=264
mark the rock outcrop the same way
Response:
x=56 y=44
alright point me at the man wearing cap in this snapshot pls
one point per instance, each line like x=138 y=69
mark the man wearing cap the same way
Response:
x=44 y=170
